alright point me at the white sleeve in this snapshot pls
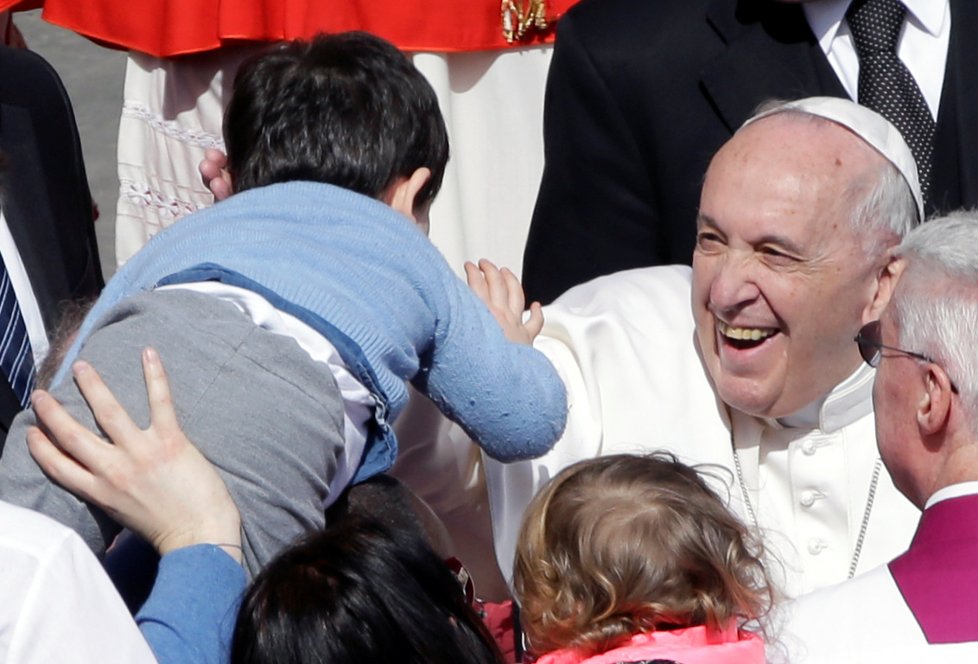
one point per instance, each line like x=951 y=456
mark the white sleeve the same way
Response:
x=624 y=348
x=60 y=606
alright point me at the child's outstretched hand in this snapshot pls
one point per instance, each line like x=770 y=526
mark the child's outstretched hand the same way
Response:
x=503 y=294
x=153 y=481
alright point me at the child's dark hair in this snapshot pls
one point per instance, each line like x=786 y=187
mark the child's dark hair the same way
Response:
x=346 y=109
x=625 y=544
x=359 y=592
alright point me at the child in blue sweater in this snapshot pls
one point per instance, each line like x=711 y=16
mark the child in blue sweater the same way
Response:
x=290 y=316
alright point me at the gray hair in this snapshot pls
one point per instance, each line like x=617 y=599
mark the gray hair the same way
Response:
x=936 y=304
x=881 y=209
x=885 y=208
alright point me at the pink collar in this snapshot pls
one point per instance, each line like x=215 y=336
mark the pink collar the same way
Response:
x=692 y=645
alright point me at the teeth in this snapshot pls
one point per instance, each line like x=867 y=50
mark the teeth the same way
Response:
x=744 y=333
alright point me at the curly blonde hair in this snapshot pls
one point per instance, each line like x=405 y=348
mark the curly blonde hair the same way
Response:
x=625 y=544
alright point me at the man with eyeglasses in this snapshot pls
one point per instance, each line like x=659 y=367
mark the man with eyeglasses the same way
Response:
x=921 y=606
x=798 y=213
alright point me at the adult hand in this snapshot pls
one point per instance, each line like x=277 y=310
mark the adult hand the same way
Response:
x=214 y=173
x=153 y=481
x=502 y=293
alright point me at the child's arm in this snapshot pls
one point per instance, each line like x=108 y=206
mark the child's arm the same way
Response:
x=506 y=395
x=502 y=292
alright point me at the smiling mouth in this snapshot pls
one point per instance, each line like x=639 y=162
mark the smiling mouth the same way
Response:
x=745 y=337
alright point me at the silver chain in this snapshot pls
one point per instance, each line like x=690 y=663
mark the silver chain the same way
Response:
x=877 y=467
x=863 y=527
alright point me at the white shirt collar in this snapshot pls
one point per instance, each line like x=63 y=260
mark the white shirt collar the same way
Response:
x=847 y=402
x=952 y=491
x=825 y=17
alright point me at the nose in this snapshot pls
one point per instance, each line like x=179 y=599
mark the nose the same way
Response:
x=733 y=287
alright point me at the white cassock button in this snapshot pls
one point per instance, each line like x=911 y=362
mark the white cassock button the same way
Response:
x=816 y=546
x=807 y=498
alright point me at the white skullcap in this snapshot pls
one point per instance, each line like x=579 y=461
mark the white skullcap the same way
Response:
x=865 y=123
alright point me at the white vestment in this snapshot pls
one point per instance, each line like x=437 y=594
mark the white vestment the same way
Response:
x=57 y=604
x=861 y=621
x=624 y=346
x=867 y=619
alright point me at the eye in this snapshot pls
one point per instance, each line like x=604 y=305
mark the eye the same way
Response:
x=708 y=241
x=776 y=255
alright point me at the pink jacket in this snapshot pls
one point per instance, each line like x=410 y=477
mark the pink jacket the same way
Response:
x=692 y=645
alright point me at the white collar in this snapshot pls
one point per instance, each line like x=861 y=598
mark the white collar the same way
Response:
x=952 y=491
x=847 y=402
x=825 y=17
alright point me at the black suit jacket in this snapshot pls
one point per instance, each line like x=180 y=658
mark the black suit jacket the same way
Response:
x=642 y=93
x=45 y=195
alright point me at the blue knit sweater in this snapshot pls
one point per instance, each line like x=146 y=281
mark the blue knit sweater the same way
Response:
x=375 y=287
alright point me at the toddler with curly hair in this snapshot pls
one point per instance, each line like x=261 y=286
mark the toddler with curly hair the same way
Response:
x=634 y=559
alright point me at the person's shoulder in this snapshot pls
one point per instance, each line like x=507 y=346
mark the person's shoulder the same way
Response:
x=626 y=11
x=25 y=75
x=22 y=59
x=837 y=621
x=31 y=532
x=614 y=20
x=642 y=42
x=659 y=286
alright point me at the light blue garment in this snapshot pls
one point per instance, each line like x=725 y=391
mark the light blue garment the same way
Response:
x=189 y=616
x=370 y=282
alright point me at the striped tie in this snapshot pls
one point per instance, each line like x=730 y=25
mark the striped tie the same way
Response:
x=16 y=358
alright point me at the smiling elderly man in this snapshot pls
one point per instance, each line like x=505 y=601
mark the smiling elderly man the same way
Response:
x=798 y=213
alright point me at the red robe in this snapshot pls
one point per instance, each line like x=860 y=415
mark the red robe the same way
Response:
x=174 y=27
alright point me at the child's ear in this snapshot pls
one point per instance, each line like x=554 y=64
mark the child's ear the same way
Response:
x=404 y=193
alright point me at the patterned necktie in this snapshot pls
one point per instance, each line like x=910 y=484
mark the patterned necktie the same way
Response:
x=885 y=83
x=16 y=358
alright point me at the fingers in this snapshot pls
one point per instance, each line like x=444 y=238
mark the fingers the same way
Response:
x=110 y=416
x=70 y=435
x=476 y=281
x=58 y=465
x=221 y=186
x=504 y=289
x=496 y=284
x=534 y=323
x=214 y=175
x=516 y=301
x=216 y=157
x=161 y=412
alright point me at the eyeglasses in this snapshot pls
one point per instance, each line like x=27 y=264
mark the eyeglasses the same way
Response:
x=871 y=347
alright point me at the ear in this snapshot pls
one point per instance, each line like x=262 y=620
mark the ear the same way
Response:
x=934 y=408
x=883 y=287
x=403 y=195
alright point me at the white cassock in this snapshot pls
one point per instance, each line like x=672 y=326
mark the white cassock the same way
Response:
x=58 y=603
x=624 y=346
